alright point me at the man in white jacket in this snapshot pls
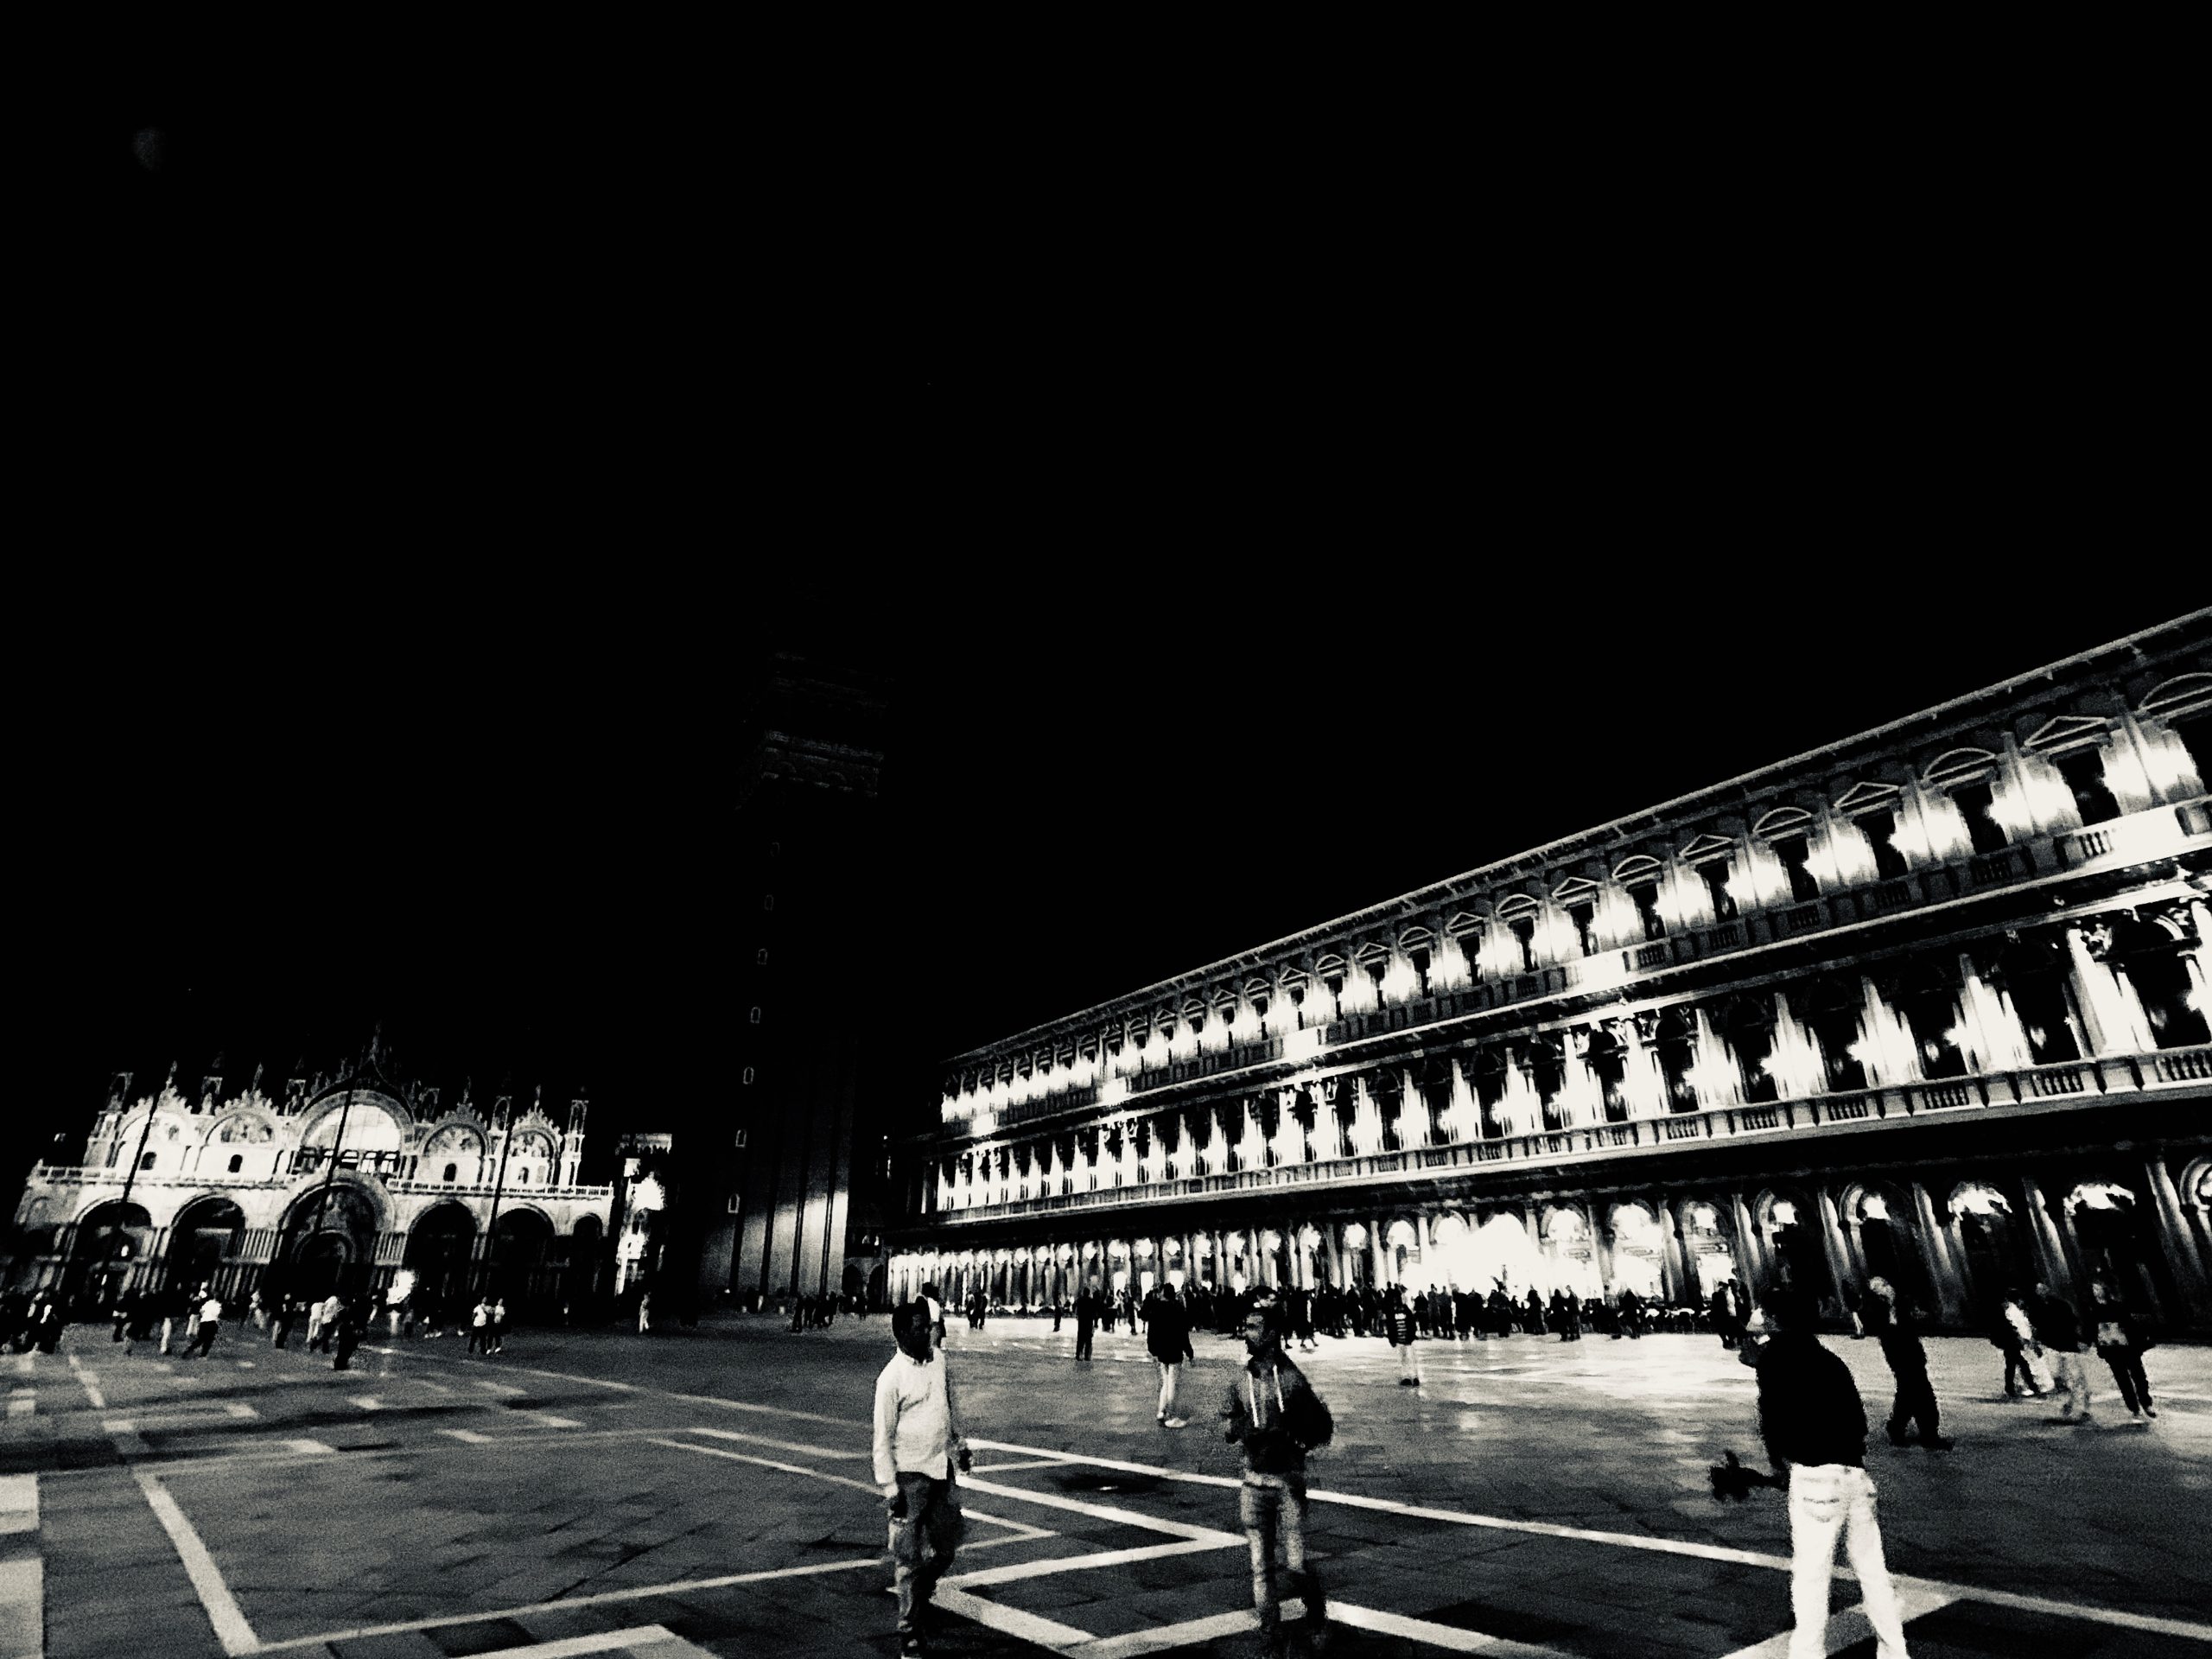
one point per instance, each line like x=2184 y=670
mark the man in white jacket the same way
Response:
x=917 y=1446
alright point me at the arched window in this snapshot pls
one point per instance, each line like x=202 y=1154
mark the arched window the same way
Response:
x=146 y=1162
x=237 y=1161
x=452 y=1171
x=748 y=1074
x=754 y=1016
x=760 y=958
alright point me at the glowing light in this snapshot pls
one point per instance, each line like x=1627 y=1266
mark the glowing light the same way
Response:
x=1113 y=1091
x=1980 y=1201
x=1447 y=966
x=1270 y=1240
x=1873 y=1207
x=1355 y=1235
x=647 y=1195
x=2103 y=1195
x=1400 y=980
x=1144 y=1249
x=1303 y=1045
x=1784 y=1213
x=1359 y=995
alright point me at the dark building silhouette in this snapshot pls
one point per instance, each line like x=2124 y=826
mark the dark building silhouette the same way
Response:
x=768 y=1199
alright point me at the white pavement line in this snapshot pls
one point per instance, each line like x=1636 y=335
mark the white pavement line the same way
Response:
x=1850 y=1625
x=497 y=1387
x=1636 y=1540
x=467 y=1436
x=1022 y=1530
x=23 y=1366
x=1009 y=1621
x=781 y=1446
x=19 y=1504
x=435 y=1388
x=1189 y=1633
x=92 y=1384
x=365 y=1402
x=1450 y=1637
x=1054 y=1565
x=869 y=1487
x=23 y=1402
x=656 y=1639
x=23 y=1603
x=238 y=1409
x=1026 y=1463
x=2180 y=1627
x=1106 y=1512
x=547 y=1420
x=231 y=1628
x=605 y=1598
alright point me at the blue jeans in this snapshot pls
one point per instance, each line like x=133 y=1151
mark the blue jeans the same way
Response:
x=923 y=1543
x=1269 y=1505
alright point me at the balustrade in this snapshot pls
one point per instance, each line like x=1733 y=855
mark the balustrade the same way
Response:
x=2157 y=832
x=2026 y=1086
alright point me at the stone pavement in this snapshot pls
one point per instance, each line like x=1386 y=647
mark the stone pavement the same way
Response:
x=709 y=1491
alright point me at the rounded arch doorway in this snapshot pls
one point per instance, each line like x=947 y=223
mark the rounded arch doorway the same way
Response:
x=522 y=1266
x=112 y=1241
x=330 y=1241
x=440 y=1247
x=203 y=1246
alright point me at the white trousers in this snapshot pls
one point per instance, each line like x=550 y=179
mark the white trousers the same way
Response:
x=1167 y=1375
x=1408 y=1362
x=1826 y=1499
x=2072 y=1376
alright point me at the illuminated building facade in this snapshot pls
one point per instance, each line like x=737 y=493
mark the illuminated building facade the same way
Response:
x=1930 y=1003
x=345 y=1181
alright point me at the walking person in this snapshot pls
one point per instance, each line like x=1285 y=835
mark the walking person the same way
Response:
x=2121 y=1343
x=1167 y=1335
x=346 y=1337
x=1273 y=1411
x=917 y=1446
x=479 y=1328
x=1086 y=1320
x=1727 y=1310
x=645 y=1311
x=1914 y=1402
x=2059 y=1324
x=211 y=1322
x=499 y=1324
x=2013 y=1333
x=1814 y=1428
x=1398 y=1325
x=176 y=1309
x=288 y=1315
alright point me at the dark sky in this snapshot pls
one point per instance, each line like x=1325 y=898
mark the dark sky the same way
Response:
x=1246 y=543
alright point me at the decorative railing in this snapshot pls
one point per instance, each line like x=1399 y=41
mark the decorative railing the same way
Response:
x=2159 y=832
x=2125 y=1074
x=95 y=1175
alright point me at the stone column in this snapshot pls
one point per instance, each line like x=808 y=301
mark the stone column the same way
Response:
x=1831 y=1241
x=1328 y=1230
x=1750 y=1258
x=2178 y=1240
x=1601 y=1246
x=1944 y=1277
x=2111 y=1017
x=1674 y=1258
x=1378 y=1245
x=2054 y=1263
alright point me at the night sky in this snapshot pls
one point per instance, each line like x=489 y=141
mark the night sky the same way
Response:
x=1243 y=549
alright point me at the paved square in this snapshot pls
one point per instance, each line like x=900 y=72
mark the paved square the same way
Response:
x=709 y=1491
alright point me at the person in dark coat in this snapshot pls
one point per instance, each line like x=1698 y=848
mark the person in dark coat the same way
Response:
x=347 y=1338
x=1086 y=1320
x=1914 y=1402
x=1727 y=1312
x=1270 y=1406
x=1815 y=1427
x=1168 y=1337
x=2121 y=1341
x=2058 y=1324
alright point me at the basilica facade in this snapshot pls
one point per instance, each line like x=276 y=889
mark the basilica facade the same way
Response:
x=352 y=1181
x=1928 y=1003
